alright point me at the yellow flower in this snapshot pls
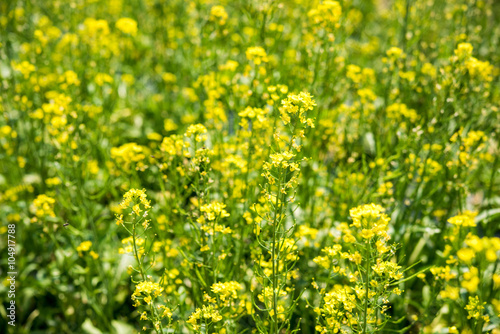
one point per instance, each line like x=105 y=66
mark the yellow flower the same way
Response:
x=169 y=77
x=135 y=197
x=466 y=254
x=84 y=247
x=214 y=210
x=366 y=234
x=466 y=220
x=326 y=14
x=464 y=50
x=147 y=289
x=198 y=130
x=296 y=105
x=257 y=54
x=474 y=307
x=395 y=53
x=205 y=313
x=44 y=206
x=450 y=292
x=218 y=14
x=127 y=26
x=226 y=290
x=24 y=67
x=94 y=255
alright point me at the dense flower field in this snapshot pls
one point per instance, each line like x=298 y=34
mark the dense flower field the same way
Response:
x=263 y=166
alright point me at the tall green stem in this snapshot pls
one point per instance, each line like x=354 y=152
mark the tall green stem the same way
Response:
x=367 y=287
x=277 y=211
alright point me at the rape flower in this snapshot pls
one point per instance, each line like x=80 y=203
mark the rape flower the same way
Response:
x=84 y=247
x=136 y=198
x=214 y=210
x=327 y=13
x=466 y=254
x=395 y=53
x=128 y=245
x=464 y=50
x=146 y=291
x=127 y=26
x=44 y=206
x=257 y=54
x=218 y=14
x=24 y=67
x=338 y=308
x=169 y=77
x=198 y=130
x=474 y=307
x=480 y=69
x=463 y=220
x=443 y=273
x=226 y=290
x=297 y=105
x=369 y=215
x=205 y=314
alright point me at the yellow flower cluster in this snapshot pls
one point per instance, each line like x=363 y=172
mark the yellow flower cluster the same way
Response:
x=257 y=54
x=463 y=50
x=136 y=198
x=476 y=68
x=44 y=206
x=128 y=245
x=444 y=273
x=266 y=295
x=297 y=105
x=463 y=220
x=252 y=113
x=225 y=291
x=214 y=210
x=337 y=309
x=474 y=308
x=12 y=194
x=218 y=14
x=326 y=14
x=400 y=111
x=198 y=130
x=281 y=160
x=388 y=268
x=488 y=246
x=127 y=154
x=127 y=26
x=395 y=53
x=146 y=291
x=372 y=221
x=175 y=145
x=206 y=314
x=85 y=247
x=370 y=269
x=24 y=67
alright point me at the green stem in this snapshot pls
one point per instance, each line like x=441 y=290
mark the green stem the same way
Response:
x=367 y=287
x=273 y=258
x=143 y=276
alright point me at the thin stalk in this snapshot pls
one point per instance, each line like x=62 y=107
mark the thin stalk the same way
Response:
x=277 y=211
x=367 y=287
x=143 y=276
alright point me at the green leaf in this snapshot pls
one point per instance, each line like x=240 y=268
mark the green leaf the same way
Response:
x=89 y=328
x=121 y=327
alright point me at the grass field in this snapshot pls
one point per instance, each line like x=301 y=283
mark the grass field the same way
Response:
x=249 y=166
